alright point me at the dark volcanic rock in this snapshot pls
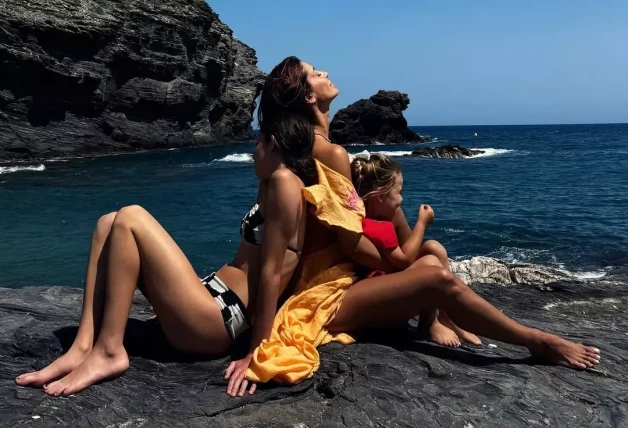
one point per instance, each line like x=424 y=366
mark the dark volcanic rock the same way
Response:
x=87 y=77
x=448 y=151
x=378 y=119
x=389 y=379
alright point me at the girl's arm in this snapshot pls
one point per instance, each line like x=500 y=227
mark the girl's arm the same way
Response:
x=402 y=228
x=403 y=256
x=283 y=215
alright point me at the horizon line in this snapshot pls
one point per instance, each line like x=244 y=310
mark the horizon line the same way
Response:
x=531 y=124
x=515 y=124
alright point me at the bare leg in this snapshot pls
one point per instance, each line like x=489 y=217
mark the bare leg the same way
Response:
x=435 y=248
x=91 y=313
x=188 y=314
x=429 y=324
x=395 y=297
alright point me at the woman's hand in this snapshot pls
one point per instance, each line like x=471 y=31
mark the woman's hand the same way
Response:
x=426 y=215
x=235 y=373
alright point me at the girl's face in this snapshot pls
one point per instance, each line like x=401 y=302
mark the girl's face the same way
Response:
x=384 y=205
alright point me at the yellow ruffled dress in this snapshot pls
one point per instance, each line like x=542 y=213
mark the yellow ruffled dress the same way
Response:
x=290 y=355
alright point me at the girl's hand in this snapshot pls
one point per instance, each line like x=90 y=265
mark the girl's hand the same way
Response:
x=235 y=373
x=426 y=215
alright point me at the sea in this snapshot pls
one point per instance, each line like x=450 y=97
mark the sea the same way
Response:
x=555 y=195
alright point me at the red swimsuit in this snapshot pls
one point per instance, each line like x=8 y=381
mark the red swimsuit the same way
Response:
x=382 y=235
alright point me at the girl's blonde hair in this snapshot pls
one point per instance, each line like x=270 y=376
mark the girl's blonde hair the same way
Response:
x=374 y=176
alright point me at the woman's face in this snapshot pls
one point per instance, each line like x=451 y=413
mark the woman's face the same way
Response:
x=265 y=158
x=323 y=89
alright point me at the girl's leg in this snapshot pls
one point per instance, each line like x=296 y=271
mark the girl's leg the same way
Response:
x=91 y=313
x=435 y=248
x=395 y=297
x=429 y=324
x=187 y=312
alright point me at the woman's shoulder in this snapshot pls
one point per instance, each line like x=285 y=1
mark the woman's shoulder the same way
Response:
x=286 y=183
x=334 y=157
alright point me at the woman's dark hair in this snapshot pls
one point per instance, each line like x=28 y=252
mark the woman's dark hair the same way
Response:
x=294 y=141
x=284 y=91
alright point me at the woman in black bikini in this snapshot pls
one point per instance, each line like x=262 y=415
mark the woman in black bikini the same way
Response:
x=130 y=248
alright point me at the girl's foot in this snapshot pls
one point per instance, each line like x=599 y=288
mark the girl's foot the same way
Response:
x=442 y=335
x=57 y=369
x=463 y=335
x=99 y=365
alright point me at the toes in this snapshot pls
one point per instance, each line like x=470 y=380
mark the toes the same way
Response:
x=592 y=351
x=579 y=365
x=26 y=378
x=54 y=389
x=23 y=379
x=593 y=360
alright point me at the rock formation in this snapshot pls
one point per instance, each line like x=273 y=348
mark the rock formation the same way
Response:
x=88 y=77
x=488 y=270
x=378 y=119
x=448 y=151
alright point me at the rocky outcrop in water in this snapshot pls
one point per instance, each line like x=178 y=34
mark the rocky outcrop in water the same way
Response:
x=488 y=270
x=448 y=151
x=378 y=119
x=390 y=378
x=89 y=77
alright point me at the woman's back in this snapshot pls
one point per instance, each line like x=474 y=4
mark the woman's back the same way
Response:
x=318 y=236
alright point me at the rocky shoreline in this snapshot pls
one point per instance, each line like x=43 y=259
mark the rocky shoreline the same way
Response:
x=448 y=151
x=390 y=378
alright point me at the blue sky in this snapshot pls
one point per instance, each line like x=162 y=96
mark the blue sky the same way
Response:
x=461 y=62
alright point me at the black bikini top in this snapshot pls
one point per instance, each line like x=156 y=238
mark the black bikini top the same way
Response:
x=252 y=228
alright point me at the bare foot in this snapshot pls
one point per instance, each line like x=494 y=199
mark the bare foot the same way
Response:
x=442 y=335
x=463 y=335
x=563 y=352
x=57 y=369
x=98 y=365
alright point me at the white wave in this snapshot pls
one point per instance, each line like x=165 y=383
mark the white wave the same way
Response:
x=237 y=157
x=491 y=152
x=452 y=230
x=196 y=165
x=603 y=301
x=376 y=143
x=9 y=169
x=385 y=153
x=395 y=153
x=589 y=275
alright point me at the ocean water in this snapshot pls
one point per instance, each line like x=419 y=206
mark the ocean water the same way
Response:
x=551 y=194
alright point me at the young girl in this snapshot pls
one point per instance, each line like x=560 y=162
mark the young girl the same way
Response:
x=379 y=182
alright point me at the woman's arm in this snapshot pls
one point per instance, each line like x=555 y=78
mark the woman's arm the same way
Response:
x=282 y=219
x=283 y=215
